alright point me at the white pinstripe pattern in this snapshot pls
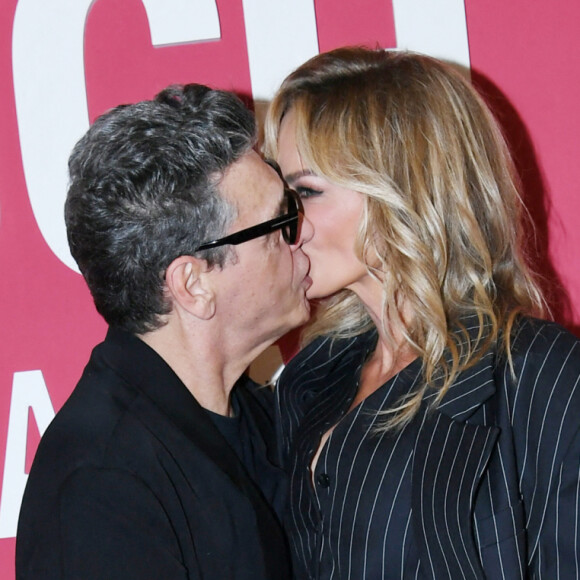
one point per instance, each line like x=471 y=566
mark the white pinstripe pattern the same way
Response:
x=494 y=491
x=458 y=519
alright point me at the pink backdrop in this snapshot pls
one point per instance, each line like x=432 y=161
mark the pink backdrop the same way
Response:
x=525 y=56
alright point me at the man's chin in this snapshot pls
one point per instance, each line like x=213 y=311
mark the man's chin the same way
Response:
x=304 y=314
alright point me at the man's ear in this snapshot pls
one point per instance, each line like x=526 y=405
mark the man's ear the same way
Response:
x=188 y=284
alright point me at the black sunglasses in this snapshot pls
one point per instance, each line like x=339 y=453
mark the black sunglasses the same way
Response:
x=290 y=223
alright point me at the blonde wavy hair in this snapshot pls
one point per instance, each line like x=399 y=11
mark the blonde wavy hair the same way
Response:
x=442 y=226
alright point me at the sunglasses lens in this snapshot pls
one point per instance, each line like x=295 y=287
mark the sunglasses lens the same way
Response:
x=291 y=231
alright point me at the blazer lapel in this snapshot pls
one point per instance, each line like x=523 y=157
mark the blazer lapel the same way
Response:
x=449 y=460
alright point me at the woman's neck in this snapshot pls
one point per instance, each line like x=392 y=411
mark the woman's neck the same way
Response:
x=393 y=352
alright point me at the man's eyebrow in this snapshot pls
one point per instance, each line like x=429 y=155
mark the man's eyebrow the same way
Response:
x=292 y=177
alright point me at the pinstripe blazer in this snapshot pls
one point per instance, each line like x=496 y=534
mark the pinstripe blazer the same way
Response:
x=495 y=468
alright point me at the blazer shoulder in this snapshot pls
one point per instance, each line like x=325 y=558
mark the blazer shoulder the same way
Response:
x=544 y=390
x=546 y=348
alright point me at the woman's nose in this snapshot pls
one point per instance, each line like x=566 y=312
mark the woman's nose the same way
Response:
x=306 y=231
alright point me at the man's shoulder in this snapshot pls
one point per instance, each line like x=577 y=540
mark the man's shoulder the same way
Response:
x=84 y=430
x=106 y=422
x=83 y=438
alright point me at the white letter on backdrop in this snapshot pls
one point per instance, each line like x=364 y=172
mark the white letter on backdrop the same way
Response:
x=28 y=390
x=281 y=35
x=49 y=87
x=437 y=28
x=181 y=21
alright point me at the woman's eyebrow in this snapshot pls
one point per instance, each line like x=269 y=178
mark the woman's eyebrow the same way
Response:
x=292 y=177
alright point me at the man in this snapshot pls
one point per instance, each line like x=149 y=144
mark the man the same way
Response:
x=159 y=464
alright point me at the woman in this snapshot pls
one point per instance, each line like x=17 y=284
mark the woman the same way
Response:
x=430 y=427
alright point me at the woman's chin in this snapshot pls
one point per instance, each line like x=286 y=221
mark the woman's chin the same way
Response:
x=315 y=293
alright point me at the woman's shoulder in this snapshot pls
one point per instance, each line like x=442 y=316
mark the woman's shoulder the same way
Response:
x=546 y=364
x=534 y=338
